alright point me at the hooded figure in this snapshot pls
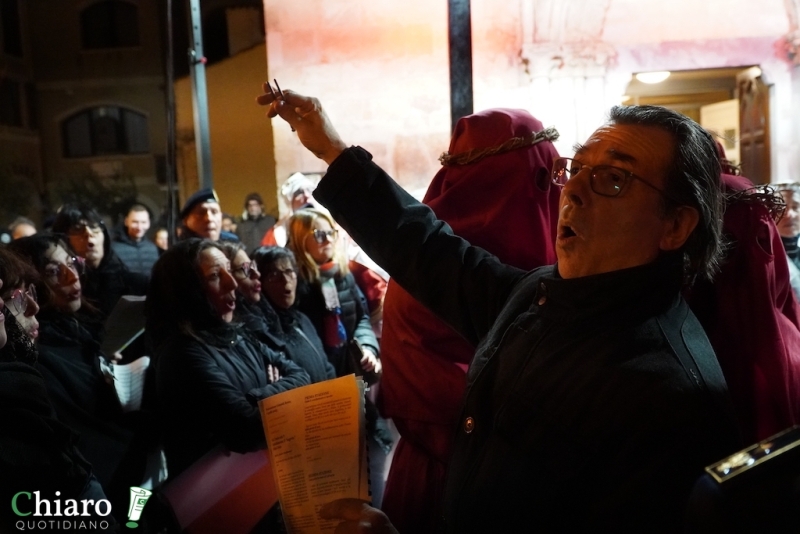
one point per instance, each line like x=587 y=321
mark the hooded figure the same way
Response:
x=751 y=316
x=494 y=190
x=296 y=193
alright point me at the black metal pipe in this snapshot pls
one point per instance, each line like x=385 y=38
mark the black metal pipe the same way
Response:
x=460 y=43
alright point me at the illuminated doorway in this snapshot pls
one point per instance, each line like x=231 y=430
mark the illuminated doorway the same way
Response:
x=733 y=103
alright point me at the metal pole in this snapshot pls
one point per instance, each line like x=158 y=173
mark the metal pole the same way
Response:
x=460 y=41
x=170 y=157
x=197 y=64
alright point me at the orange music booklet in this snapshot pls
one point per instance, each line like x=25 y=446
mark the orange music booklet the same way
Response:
x=317 y=446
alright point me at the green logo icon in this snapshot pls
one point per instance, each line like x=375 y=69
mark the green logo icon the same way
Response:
x=139 y=498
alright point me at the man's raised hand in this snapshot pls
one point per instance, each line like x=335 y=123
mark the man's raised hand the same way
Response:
x=306 y=116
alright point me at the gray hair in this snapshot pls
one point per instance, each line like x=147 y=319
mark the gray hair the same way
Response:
x=693 y=179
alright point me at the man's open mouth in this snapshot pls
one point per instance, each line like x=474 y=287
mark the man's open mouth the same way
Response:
x=566 y=232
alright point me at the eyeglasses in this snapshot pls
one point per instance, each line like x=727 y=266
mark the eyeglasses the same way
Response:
x=81 y=227
x=274 y=276
x=56 y=272
x=605 y=180
x=18 y=302
x=246 y=270
x=320 y=236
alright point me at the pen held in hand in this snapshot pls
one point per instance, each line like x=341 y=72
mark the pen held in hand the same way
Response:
x=277 y=94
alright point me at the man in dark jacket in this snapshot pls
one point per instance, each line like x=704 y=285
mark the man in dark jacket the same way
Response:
x=594 y=399
x=255 y=224
x=137 y=253
x=106 y=278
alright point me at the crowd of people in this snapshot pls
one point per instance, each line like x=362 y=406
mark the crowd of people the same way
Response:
x=221 y=335
x=550 y=336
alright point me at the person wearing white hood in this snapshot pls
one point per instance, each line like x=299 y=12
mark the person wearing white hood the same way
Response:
x=296 y=193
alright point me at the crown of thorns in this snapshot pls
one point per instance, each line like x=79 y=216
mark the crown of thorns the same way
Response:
x=477 y=154
x=763 y=195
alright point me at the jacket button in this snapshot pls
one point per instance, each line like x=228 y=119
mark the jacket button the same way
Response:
x=469 y=425
x=542 y=300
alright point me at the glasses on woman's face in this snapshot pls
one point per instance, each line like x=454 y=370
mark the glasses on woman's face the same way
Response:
x=18 y=302
x=280 y=275
x=57 y=272
x=246 y=270
x=320 y=236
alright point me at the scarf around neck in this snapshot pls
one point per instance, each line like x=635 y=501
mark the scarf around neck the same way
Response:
x=334 y=333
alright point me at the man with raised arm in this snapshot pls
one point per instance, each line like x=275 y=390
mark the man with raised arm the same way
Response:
x=594 y=399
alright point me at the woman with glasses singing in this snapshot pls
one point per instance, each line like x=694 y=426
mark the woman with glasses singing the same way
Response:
x=107 y=278
x=18 y=292
x=261 y=319
x=248 y=279
x=327 y=293
x=36 y=450
x=210 y=372
x=281 y=323
x=77 y=373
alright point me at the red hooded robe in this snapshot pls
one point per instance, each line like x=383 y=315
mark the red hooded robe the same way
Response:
x=752 y=318
x=505 y=204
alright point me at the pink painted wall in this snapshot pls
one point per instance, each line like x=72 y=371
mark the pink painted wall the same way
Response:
x=380 y=67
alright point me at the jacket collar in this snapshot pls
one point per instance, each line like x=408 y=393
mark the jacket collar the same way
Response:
x=122 y=235
x=66 y=329
x=641 y=291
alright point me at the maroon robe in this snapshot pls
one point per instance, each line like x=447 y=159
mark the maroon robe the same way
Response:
x=506 y=204
x=752 y=319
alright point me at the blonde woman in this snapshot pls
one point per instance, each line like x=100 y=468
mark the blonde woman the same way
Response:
x=327 y=293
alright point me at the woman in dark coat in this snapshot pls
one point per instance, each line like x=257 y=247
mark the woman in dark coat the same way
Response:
x=327 y=292
x=279 y=290
x=36 y=450
x=77 y=373
x=260 y=315
x=210 y=374
x=106 y=278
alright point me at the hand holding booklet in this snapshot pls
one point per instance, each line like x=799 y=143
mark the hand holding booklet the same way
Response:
x=317 y=445
x=125 y=323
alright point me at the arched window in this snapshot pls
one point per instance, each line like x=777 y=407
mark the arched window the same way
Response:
x=110 y=24
x=105 y=130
